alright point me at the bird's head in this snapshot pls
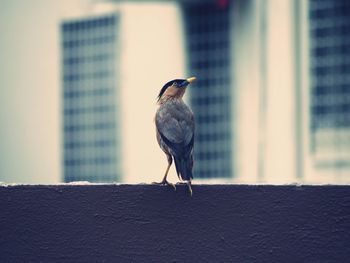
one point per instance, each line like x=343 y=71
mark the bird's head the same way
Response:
x=174 y=88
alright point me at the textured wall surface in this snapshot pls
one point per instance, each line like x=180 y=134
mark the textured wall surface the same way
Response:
x=149 y=223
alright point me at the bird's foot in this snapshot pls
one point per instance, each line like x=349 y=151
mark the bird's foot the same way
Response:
x=165 y=182
x=190 y=188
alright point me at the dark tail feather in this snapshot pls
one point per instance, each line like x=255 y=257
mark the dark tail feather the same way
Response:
x=184 y=168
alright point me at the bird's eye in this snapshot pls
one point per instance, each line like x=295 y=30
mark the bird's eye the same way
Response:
x=175 y=84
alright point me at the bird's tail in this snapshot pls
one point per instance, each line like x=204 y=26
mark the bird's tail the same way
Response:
x=184 y=167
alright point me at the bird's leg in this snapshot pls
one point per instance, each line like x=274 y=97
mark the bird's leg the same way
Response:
x=165 y=181
x=189 y=187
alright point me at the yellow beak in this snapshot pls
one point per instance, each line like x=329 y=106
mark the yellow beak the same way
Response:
x=191 y=79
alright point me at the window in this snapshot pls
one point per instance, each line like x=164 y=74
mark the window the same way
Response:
x=330 y=82
x=207 y=27
x=89 y=98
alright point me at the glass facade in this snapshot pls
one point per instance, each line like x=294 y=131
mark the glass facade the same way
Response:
x=207 y=34
x=329 y=23
x=90 y=99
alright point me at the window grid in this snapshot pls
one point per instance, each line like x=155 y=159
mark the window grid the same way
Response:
x=89 y=107
x=208 y=32
x=330 y=78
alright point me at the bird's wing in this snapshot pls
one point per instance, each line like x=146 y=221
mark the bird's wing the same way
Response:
x=175 y=125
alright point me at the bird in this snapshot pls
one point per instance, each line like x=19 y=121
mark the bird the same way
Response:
x=175 y=128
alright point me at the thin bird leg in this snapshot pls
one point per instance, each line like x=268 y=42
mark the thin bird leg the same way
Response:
x=189 y=187
x=165 y=181
x=166 y=173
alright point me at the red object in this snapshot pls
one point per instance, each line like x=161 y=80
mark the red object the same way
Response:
x=222 y=3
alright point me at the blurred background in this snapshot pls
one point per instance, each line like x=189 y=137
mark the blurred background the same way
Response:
x=79 y=81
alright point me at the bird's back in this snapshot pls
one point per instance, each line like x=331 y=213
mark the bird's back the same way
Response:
x=174 y=120
x=175 y=126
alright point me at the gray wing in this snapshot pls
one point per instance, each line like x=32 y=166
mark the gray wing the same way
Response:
x=175 y=124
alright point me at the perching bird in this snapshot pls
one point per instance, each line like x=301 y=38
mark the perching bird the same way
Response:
x=175 y=129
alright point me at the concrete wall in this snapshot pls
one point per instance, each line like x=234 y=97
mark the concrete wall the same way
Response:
x=148 y=223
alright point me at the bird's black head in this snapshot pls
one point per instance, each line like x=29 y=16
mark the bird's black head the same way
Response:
x=178 y=83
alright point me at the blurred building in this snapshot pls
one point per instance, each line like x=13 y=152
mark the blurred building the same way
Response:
x=92 y=127
x=112 y=70
x=90 y=99
x=271 y=102
x=329 y=23
x=208 y=30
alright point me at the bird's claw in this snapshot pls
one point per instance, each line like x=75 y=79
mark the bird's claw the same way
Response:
x=172 y=185
x=165 y=182
x=190 y=189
